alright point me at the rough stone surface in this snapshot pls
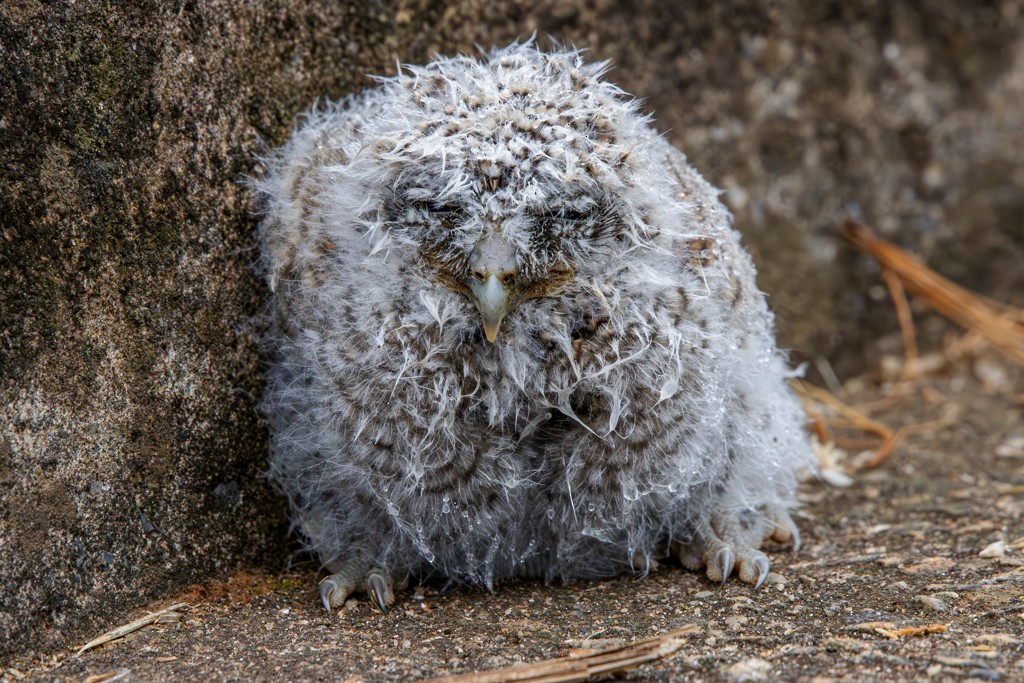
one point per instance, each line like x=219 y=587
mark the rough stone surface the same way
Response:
x=130 y=448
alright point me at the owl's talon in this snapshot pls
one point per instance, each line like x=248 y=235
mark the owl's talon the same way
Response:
x=753 y=566
x=794 y=534
x=784 y=529
x=725 y=560
x=378 y=599
x=325 y=596
x=762 y=570
x=378 y=585
x=334 y=589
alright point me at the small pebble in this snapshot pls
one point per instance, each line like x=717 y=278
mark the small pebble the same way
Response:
x=932 y=602
x=749 y=670
x=1011 y=448
x=735 y=622
x=994 y=550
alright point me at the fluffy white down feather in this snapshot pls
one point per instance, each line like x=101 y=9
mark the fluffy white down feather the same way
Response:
x=633 y=399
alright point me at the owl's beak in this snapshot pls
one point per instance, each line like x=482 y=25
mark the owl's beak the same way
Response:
x=493 y=271
x=492 y=301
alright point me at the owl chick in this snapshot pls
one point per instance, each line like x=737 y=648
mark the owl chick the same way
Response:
x=515 y=335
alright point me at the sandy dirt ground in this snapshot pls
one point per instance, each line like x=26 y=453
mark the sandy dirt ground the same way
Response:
x=915 y=571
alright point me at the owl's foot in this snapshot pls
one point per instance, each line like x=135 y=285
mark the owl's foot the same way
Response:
x=733 y=539
x=377 y=583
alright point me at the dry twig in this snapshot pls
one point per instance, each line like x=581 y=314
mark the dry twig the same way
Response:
x=890 y=630
x=131 y=627
x=856 y=417
x=1000 y=324
x=810 y=394
x=109 y=676
x=899 y=300
x=897 y=633
x=583 y=667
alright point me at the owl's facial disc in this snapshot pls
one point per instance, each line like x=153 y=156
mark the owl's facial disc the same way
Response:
x=492 y=281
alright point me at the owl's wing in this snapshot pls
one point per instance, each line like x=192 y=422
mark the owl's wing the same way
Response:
x=718 y=253
x=298 y=175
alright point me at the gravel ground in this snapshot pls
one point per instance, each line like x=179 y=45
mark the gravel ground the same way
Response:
x=900 y=548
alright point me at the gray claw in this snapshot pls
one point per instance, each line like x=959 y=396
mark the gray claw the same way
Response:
x=762 y=570
x=327 y=588
x=786 y=530
x=377 y=587
x=794 y=533
x=725 y=560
